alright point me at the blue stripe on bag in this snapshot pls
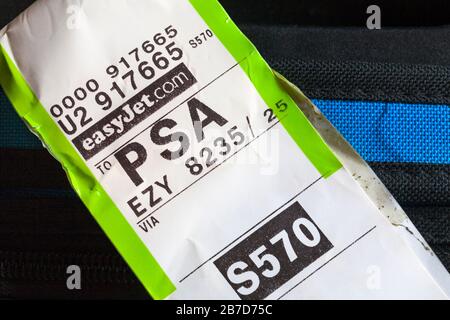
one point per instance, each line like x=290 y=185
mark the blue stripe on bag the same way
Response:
x=393 y=132
x=13 y=132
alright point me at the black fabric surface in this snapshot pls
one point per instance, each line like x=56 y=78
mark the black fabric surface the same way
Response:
x=420 y=46
x=395 y=65
x=383 y=82
x=395 y=13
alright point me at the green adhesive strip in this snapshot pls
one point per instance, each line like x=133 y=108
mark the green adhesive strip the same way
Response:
x=110 y=219
x=264 y=80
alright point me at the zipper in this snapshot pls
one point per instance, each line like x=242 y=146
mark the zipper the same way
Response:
x=51 y=267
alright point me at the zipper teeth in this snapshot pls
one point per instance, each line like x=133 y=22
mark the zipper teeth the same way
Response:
x=37 y=266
